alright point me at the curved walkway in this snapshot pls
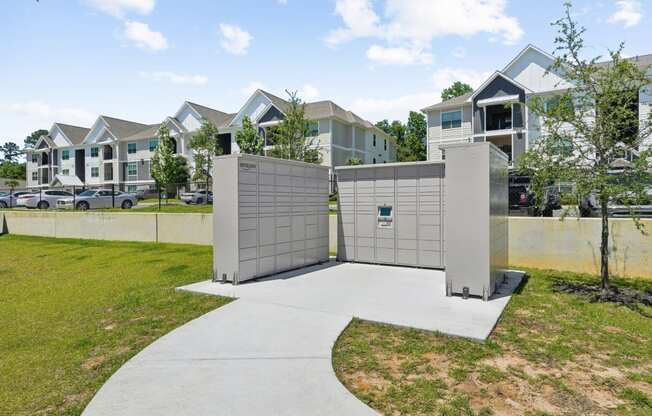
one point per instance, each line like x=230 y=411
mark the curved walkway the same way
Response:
x=269 y=352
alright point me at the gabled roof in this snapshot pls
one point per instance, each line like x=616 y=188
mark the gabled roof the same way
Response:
x=529 y=47
x=74 y=134
x=66 y=180
x=150 y=132
x=44 y=138
x=123 y=128
x=494 y=76
x=452 y=102
x=218 y=118
x=278 y=102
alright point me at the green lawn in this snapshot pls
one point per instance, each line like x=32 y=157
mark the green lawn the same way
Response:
x=551 y=354
x=178 y=208
x=72 y=312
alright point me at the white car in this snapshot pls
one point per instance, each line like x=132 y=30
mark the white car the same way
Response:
x=10 y=200
x=99 y=198
x=43 y=200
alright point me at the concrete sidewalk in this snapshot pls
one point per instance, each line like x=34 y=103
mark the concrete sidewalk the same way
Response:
x=269 y=352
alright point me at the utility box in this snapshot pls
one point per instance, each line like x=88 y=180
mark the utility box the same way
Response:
x=391 y=214
x=477 y=232
x=269 y=215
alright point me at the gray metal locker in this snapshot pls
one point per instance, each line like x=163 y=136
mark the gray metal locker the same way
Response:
x=391 y=214
x=270 y=215
x=476 y=232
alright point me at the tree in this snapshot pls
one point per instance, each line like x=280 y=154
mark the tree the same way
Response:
x=354 y=161
x=205 y=146
x=384 y=126
x=586 y=128
x=11 y=151
x=168 y=168
x=13 y=170
x=248 y=139
x=413 y=146
x=291 y=137
x=11 y=183
x=458 y=88
x=398 y=131
x=30 y=141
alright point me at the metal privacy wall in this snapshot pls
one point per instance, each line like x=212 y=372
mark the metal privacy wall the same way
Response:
x=270 y=215
x=392 y=214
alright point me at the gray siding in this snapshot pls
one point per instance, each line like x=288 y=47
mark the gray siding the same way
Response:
x=499 y=87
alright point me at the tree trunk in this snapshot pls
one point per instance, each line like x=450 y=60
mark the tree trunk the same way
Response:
x=604 y=245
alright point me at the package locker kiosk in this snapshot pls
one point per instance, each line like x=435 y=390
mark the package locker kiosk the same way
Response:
x=270 y=215
x=391 y=214
x=477 y=229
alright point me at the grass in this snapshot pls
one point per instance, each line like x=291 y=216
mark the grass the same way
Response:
x=72 y=312
x=551 y=353
x=177 y=208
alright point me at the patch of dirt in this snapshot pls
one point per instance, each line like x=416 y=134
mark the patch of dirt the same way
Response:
x=367 y=383
x=621 y=296
x=93 y=362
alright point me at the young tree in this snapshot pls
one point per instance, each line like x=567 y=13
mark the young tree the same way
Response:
x=586 y=128
x=168 y=168
x=291 y=137
x=248 y=139
x=11 y=183
x=30 y=141
x=458 y=88
x=205 y=146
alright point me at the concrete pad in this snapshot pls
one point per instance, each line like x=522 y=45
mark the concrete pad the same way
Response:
x=395 y=295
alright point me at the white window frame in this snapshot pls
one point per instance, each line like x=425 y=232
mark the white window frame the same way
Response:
x=98 y=172
x=65 y=172
x=98 y=151
x=149 y=144
x=135 y=148
x=35 y=176
x=441 y=118
x=66 y=152
x=128 y=170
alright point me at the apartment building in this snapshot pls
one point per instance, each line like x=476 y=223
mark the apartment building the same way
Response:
x=498 y=110
x=119 y=152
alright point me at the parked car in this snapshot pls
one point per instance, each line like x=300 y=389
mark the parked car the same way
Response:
x=99 y=198
x=44 y=199
x=8 y=200
x=551 y=202
x=197 y=197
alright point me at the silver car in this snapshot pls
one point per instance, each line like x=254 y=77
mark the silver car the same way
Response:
x=44 y=199
x=197 y=197
x=8 y=200
x=99 y=198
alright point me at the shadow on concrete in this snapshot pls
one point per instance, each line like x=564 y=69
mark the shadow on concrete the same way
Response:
x=515 y=281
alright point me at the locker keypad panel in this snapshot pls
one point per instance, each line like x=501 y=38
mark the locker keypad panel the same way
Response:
x=385 y=216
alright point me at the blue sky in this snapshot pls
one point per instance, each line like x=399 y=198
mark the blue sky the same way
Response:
x=70 y=60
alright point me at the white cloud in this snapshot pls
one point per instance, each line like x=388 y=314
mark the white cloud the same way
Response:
x=118 y=8
x=629 y=13
x=308 y=92
x=398 y=108
x=411 y=25
x=143 y=37
x=444 y=77
x=398 y=56
x=250 y=88
x=175 y=78
x=234 y=40
x=283 y=2
x=42 y=115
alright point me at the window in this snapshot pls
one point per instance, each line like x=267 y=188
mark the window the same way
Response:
x=374 y=161
x=313 y=128
x=132 y=169
x=35 y=176
x=132 y=189
x=65 y=172
x=385 y=144
x=95 y=151
x=451 y=119
x=153 y=144
x=65 y=154
x=95 y=172
x=131 y=148
x=374 y=140
x=35 y=157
